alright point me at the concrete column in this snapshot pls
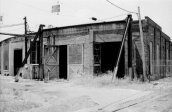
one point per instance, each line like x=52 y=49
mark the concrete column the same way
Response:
x=2 y=58
x=91 y=49
x=11 y=60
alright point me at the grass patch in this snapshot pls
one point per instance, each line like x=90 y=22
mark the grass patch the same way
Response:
x=100 y=80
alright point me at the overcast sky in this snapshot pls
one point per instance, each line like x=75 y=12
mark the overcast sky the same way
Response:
x=79 y=12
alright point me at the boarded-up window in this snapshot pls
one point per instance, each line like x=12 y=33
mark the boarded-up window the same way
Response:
x=75 y=54
x=6 y=57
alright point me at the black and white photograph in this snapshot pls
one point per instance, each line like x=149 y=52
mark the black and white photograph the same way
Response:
x=85 y=55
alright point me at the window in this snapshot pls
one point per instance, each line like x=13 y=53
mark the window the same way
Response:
x=34 y=56
x=6 y=57
x=75 y=54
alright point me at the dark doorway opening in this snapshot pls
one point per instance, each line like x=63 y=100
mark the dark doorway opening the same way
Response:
x=17 y=60
x=63 y=61
x=108 y=57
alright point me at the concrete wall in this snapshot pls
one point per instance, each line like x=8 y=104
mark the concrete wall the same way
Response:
x=7 y=54
x=153 y=34
x=85 y=36
x=170 y=59
x=85 y=42
x=88 y=34
x=5 y=57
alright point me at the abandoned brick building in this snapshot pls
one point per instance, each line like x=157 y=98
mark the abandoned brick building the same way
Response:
x=92 y=49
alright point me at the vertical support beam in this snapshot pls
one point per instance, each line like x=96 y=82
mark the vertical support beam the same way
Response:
x=165 y=59
x=160 y=53
x=25 y=25
x=2 y=62
x=91 y=51
x=130 y=50
x=154 y=52
x=41 y=66
x=169 y=54
x=121 y=48
x=142 y=42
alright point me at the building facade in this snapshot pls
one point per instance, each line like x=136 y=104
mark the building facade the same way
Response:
x=92 y=49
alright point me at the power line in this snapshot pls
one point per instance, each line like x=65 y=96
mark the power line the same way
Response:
x=22 y=3
x=16 y=29
x=112 y=17
x=12 y=25
x=120 y=7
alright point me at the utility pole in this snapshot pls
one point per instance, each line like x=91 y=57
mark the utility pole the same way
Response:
x=142 y=43
x=25 y=25
x=41 y=66
x=130 y=51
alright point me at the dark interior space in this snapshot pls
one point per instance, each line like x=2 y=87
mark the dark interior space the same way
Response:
x=17 y=60
x=109 y=55
x=63 y=61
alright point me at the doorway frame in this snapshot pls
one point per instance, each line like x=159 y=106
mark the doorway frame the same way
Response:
x=17 y=49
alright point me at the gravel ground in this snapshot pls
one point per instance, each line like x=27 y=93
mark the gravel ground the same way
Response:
x=85 y=96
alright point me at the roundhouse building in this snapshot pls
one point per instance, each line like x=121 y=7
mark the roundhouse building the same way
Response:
x=92 y=49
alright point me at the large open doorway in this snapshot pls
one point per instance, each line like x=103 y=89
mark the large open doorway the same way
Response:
x=63 y=61
x=17 y=60
x=109 y=52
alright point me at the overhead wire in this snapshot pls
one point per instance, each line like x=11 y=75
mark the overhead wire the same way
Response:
x=12 y=25
x=16 y=29
x=120 y=7
x=112 y=17
x=32 y=6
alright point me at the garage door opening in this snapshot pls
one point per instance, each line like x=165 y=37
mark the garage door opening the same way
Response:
x=17 y=60
x=107 y=57
x=63 y=62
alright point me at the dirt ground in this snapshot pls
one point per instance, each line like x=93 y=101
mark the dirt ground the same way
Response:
x=85 y=96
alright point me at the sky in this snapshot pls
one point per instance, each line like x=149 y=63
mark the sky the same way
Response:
x=74 y=12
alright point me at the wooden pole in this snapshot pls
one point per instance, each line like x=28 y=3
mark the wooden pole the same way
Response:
x=142 y=43
x=41 y=67
x=121 y=48
x=25 y=25
x=130 y=52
